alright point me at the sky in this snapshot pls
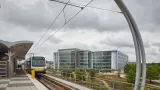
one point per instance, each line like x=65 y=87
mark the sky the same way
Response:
x=92 y=29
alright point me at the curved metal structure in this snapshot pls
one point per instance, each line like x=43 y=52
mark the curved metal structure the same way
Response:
x=20 y=48
x=139 y=47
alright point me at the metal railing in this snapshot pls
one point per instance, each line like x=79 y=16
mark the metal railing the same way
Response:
x=98 y=83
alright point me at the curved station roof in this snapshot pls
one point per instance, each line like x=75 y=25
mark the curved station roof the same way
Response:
x=19 y=48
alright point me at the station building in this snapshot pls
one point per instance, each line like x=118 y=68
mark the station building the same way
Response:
x=85 y=59
x=10 y=53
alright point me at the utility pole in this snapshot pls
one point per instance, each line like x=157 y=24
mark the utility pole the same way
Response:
x=31 y=54
x=138 y=43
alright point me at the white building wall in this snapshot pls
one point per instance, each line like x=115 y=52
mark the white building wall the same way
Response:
x=54 y=61
x=122 y=60
x=91 y=59
x=113 y=60
x=58 y=59
x=117 y=61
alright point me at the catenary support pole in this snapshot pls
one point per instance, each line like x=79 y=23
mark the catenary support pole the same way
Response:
x=140 y=48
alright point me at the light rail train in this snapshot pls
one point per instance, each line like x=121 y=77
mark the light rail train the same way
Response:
x=36 y=63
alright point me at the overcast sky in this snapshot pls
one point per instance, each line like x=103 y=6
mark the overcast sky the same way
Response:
x=92 y=29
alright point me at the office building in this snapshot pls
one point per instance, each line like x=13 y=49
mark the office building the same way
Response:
x=56 y=60
x=84 y=59
x=72 y=58
x=109 y=59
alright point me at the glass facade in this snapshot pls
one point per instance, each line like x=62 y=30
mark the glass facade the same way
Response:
x=101 y=60
x=122 y=60
x=67 y=59
x=84 y=59
x=76 y=58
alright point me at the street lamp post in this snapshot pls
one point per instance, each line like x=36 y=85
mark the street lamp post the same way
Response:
x=139 y=48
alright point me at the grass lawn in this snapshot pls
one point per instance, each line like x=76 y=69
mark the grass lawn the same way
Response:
x=111 y=77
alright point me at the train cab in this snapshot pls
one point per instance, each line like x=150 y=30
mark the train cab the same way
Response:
x=36 y=63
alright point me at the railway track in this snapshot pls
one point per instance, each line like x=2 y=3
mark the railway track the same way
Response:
x=52 y=84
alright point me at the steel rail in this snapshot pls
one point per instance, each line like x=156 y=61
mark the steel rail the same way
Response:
x=51 y=83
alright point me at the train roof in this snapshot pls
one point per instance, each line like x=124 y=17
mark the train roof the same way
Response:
x=38 y=56
x=35 y=57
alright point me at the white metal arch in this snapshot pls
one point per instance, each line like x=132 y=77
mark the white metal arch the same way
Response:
x=139 y=47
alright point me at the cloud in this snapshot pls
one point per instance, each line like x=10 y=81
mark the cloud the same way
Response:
x=94 y=21
x=122 y=39
x=145 y=13
x=92 y=29
x=55 y=40
x=94 y=47
x=35 y=16
x=81 y=45
x=156 y=44
x=152 y=51
x=39 y=15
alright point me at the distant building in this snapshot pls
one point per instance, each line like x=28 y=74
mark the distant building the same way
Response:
x=109 y=59
x=84 y=59
x=50 y=64
x=56 y=60
x=72 y=58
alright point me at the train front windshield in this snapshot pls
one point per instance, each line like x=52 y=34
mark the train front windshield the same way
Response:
x=38 y=62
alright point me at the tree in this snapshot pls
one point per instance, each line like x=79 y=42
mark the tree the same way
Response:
x=126 y=68
x=130 y=76
x=92 y=73
x=152 y=73
x=130 y=73
x=67 y=72
x=80 y=75
x=157 y=68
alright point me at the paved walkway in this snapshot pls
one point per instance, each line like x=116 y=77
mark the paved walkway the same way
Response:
x=38 y=85
x=20 y=81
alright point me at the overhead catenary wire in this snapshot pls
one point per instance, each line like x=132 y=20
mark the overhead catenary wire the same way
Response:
x=64 y=16
x=64 y=24
x=66 y=3
x=99 y=8
x=80 y=5
x=50 y=25
x=71 y=4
